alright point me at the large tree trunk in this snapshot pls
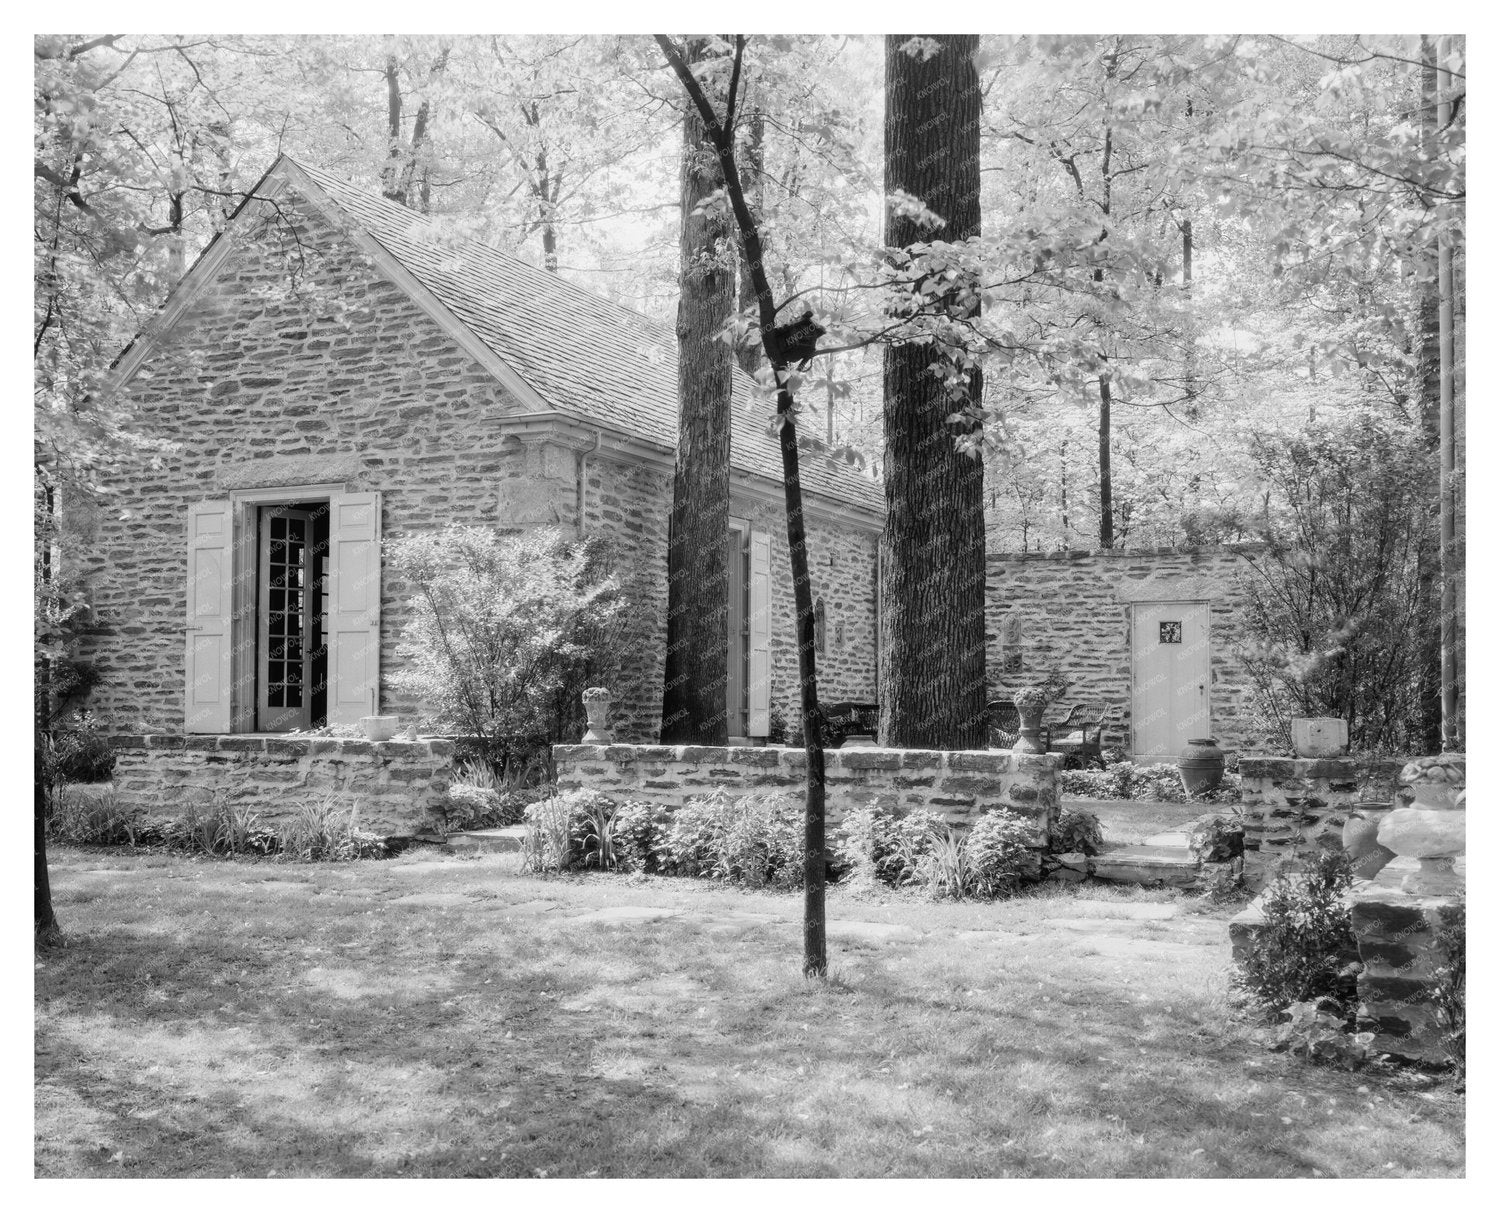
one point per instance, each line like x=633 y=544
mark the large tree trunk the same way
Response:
x=932 y=687
x=693 y=703
x=1448 y=553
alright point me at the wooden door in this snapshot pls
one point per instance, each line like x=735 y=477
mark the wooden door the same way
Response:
x=1171 y=670
x=287 y=624
x=736 y=685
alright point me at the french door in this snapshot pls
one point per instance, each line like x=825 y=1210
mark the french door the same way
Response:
x=291 y=620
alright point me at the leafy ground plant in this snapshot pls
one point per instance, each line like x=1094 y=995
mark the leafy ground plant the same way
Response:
x=327 y=830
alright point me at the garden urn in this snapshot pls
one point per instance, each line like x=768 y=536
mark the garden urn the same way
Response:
x=596 y=701
x=1360 y=839
x=1030 y=702
x=1432 y=829
x=1319 y=736
x=1201 y=765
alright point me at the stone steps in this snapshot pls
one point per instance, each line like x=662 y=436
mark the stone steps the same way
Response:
x=508 y=838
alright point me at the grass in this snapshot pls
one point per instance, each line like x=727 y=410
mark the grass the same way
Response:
x=440 y=1016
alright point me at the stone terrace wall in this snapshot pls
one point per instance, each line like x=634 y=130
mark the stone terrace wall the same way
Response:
x=957 y=784
x=1070 y=611
x=399 y=785
x=1297 y=806
x=1398 y=937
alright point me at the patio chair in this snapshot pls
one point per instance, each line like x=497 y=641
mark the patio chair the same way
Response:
x=1078 y=736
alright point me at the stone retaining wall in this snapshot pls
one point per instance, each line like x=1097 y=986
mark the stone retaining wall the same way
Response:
x=1297 y=806
x=957 y=784
x=398 y=785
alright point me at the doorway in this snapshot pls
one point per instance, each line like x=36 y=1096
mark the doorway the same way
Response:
x=292 y=617
x=1171 y=670
x=737 y=685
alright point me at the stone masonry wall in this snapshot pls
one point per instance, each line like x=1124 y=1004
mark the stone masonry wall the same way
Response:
x=398 y=785
x=959 y=785
x=1295 y=807
x=1398 y=937
x=1071 y=611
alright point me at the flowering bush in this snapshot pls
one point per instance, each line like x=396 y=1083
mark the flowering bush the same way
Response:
x=505 y=633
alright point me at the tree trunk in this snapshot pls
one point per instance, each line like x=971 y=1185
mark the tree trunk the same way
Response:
x=390 y=176
x=748 y=351
x=1447 y=507
x=694 y=710
x=1429 y=364
x=1106 y=482
x=815 y=871
x=932 y=684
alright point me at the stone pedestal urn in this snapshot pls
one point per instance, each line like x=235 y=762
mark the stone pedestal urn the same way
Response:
x=1030 y=702
x=596 y=701
x=1432 y=829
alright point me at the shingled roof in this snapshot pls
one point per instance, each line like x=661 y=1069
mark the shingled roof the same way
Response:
x=589 y=359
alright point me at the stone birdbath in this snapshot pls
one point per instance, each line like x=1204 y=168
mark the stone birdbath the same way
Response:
x=1432 y=829
x=596 y=701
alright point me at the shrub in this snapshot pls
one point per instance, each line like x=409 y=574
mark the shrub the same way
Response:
x=505 y=634
x=217 y=827
x=640 y=833
x=592 y=830
x=1305 y=951
x=1077 y=830
x=999 y=858
x=473 y=807
x=80 y=754
x=755 y=840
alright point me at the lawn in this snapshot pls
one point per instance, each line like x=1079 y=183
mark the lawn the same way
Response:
x=437 y=1015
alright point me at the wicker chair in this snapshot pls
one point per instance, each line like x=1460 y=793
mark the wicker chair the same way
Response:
x=1078 y=736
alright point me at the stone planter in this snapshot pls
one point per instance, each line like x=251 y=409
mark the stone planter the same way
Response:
x=597 y=709
x=1361 y=842
x=1201 y=765
x=1030 y=739
x=379 y=728
x=1319 y=736
x=1432 y=830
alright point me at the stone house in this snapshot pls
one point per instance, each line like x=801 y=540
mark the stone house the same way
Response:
x=335 y=371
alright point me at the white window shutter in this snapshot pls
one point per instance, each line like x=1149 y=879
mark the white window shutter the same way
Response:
x=209 y=645
x=760 y=634
x=354 y=607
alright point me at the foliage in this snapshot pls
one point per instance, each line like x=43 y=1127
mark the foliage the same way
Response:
x=505 y=633
x=324 y=830
x=1450 y=983
x=999 y=857
x=945 y=869
x=1316 y=1030
x=552 y=826
x=470 y=806
x=593 y=832
x=85 y=819
x=1126 y=781
x=640 y=833
x=1305 y=951
x=1077 y=830
x=754 y=840
x=1335 y=608
x=1215 y=838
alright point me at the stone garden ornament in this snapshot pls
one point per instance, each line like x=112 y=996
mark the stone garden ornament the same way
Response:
x=1432 y=829
x=596 y=701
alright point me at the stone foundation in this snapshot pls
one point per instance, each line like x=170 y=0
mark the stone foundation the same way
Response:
x=1296 y=807
x=956 y=784
x=398 y=785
